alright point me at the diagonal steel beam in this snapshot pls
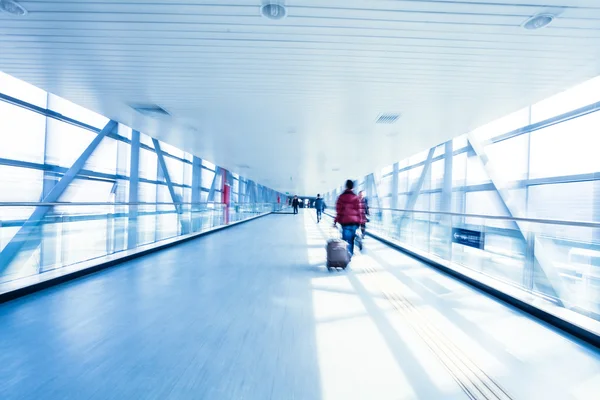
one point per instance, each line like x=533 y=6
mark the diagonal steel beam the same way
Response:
x=418 y=185
x=213 y=186
x=512 y=209
x=174 y=197
x=13 y=248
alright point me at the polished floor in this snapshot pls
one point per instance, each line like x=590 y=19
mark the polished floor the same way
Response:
x=252 y=313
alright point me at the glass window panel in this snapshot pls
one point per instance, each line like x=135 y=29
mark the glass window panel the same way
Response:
x=104 y=158
x=568 y=148
x=76 y=112
x=86 y=190
x=164 y=196
x=439 y=150
x=564 y=201
x=148 y=164
x=187 y=195
x=22 y=90
x=413 y=177
x=66 y=142
x=218 y=181
x=147 y=140
x=476 y=174
x=385 y=186
x=84 y=240
x=147 y=192
x=187 y=174
x=422 y=204
x=207 y=178
x=166 y=226
x=419 y=157
x=459 y=170
x=19 y=185
x=460 y=142
x=402 y=199
x=387 y=170
x=503 y=125
x=437 y=174
x=175 y=168
x=22 y=133
x=172 y=150
x=486 y=202
x=208 y=164
x=146 y=228
x=123 y=158
x=124 y=131
x=435 y=202
x=403 y=182
x=203 y=197
x=569 y=100
x=510 y=158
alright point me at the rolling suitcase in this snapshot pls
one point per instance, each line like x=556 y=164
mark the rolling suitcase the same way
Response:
x=337 y=254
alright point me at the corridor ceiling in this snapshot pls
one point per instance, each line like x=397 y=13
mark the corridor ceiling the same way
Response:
x=293 y=103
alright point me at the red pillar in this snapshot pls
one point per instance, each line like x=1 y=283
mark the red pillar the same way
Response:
x=226 y=195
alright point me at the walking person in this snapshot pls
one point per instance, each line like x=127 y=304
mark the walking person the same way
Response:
x=295 y=203
x=365 y=208
x=319 y=206
x=349 y=215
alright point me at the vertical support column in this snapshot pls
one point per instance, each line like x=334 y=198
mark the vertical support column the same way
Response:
x=446 y=206
x=134 y=179
x=225 y=194
x=196 y=223
x=394 y=188
x=48 y=245
x=596 y=214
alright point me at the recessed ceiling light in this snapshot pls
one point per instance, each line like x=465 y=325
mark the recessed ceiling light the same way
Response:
x=273 y=11
x=538 y=21
x=12 y=7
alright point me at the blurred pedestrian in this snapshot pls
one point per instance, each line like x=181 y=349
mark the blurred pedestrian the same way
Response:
x=319 y=206
x=349 y=214
x=295 y=203
x=365 y=208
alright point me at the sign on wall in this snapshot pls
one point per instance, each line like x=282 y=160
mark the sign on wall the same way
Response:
x=468 y=237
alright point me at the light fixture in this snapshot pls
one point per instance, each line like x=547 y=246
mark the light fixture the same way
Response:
x=538 y=21
x=273 y=11
x=12 y=7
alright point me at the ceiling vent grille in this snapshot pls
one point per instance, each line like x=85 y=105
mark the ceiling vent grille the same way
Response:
x=151 y=110
x=387 y=118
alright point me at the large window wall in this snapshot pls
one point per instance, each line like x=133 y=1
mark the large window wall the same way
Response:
x=41 y=138
x=541 y=162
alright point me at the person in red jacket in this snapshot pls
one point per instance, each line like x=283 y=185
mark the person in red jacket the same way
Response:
x=350 y=215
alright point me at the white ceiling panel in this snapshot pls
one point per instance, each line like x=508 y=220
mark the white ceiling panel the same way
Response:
x=296 y=99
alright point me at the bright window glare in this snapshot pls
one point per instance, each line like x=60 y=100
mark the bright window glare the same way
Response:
x=22 y=90
x=22 y=134
x=76 y=112
x=569 y=100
